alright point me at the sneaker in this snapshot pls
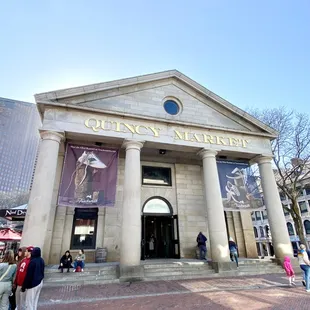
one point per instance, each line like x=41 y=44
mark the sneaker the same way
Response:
x=293 y=283
x=303 y=282
x=73 y=270
x=82 y=270
x=308 y=291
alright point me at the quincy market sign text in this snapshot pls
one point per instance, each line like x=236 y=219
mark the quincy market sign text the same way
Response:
x=108 y=125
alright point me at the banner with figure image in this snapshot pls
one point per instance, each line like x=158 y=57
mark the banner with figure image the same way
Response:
x=89 y=177
x=238 y=186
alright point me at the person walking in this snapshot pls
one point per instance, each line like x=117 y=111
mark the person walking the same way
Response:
x=201 y=243
x=34 y=279
x=289 y=270
x=304 y=264
x=233 y=249
x=7 y=274
x=65 y=262
x=20 y=277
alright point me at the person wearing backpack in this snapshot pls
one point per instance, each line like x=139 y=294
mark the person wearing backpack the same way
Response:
x=201 y=243
x=7 y=274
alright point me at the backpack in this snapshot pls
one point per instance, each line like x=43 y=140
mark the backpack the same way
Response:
x=78 y=269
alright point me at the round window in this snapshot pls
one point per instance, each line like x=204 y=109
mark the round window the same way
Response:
x=171 y=107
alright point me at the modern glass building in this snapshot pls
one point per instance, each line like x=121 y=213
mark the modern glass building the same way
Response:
x=19 y=123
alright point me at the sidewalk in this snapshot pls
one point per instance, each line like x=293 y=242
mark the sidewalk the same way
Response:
x=214 y=293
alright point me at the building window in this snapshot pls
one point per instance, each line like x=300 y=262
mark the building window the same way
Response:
x=258 y=215
x=156 y=176
x=307 y=189
x=303 y=207
x=285 y=211
x=157 y=205
x=307 y=227
x=267 y=231
x=255 y=232
x=261 y=231
x=84 y=228
x=265 y=215
x=290 y=229
x=171 y=107
x=253 y=216
x=282 y=196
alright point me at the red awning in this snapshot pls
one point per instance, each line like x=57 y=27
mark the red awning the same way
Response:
x=9 y=234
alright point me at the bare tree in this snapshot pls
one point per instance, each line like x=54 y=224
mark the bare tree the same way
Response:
x=11 y=200
x=291 y=156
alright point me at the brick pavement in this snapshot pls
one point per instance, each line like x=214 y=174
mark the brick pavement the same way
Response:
x=256 y=292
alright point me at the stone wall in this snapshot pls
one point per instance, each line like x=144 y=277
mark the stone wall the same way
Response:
x=191 y=207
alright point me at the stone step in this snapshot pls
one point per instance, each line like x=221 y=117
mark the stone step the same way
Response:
x=79 y=283
x=78 y=276
x=257 y=261
x=179 y=277
x=195 y=270
x=156 y=266
x=87 y=269
x=260 y=267
x=177 y=272
x=84 y=273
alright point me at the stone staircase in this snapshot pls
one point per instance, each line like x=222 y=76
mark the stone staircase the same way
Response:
x=177 y=270
x=93 y=274
x=155 y=270
x=249 y=267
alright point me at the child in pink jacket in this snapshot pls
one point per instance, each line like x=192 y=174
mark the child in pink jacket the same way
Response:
x=289 y=270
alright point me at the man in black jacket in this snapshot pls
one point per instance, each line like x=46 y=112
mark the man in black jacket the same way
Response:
x=34 y=279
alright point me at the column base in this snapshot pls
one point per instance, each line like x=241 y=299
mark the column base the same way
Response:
x=131 y=273
x=224 y=266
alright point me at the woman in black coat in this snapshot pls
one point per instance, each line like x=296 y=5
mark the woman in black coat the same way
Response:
x=65 y=262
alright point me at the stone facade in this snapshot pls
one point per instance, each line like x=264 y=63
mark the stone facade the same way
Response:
x=129 y=115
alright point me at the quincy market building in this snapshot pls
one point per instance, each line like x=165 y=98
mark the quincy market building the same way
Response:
x=141 y=165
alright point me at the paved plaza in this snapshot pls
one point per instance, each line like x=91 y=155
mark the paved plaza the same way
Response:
x=251 y=293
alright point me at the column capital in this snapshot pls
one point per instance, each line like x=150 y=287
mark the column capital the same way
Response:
x=205 y=153
x=52 y=135
x=132 y=144
x=263 y=160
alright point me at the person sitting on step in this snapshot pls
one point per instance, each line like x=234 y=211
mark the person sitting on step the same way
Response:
x=79 y=261
x=65 y=262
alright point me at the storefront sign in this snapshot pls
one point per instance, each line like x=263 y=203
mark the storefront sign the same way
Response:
x=97 y=125
x=89 y=177
x=238 y=186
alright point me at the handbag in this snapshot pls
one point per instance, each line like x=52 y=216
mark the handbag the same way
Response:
x=6 y=272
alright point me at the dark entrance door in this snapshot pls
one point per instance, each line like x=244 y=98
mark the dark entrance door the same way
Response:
x=160 y=237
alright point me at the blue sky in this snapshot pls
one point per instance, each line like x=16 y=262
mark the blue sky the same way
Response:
x=252 y=53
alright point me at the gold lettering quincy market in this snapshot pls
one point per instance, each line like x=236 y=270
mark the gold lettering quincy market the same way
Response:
x=209 y=139
x=97 y=125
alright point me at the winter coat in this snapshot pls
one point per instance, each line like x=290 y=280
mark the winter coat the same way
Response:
x=35 y=271
x=66 y=262
x=288 y=266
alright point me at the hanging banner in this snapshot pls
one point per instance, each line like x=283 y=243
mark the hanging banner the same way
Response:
x=238 y=186
x=89 y=177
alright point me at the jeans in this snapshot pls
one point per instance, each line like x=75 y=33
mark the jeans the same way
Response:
x=306 y=270
x=79 y=263
x=202 y=251
x=5 y=291
x=233 y=255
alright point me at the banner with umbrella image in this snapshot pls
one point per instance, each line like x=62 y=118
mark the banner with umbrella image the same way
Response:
x=239 y=188
x=89 y=177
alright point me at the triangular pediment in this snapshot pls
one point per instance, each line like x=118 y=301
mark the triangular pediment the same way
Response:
x=144 y=96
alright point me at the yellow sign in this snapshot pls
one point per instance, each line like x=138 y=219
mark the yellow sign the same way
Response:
x=97 y=125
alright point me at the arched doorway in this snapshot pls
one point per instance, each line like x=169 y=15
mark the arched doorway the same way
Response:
x=160 y=231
